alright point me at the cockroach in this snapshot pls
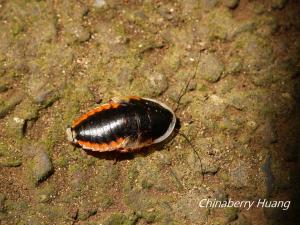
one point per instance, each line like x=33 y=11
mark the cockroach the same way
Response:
x=127 y=124
x=123 y=125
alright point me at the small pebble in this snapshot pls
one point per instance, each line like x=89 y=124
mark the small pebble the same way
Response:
x=158 y=84
x=231 y=3
x=76 y=32
x=42 y=91
x=209 y=165
x=278 y=4
x=209 y=4
x=210 y=68
x=42 y=166
x=3 y=88
x=237 y=101
x=234 y=65
x=99 y=3
x=16 y=127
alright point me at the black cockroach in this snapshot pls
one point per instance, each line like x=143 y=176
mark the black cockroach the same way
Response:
x=127 y=124
x=123 y=125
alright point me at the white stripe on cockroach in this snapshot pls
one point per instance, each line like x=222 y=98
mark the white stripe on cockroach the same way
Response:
x=128 y=124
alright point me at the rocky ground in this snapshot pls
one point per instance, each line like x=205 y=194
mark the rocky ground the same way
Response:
x=241 y=111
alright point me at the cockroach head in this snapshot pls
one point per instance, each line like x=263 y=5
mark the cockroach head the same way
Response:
x=71 y=135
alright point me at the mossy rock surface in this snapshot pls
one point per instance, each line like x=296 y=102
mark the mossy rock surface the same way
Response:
x=229 y=69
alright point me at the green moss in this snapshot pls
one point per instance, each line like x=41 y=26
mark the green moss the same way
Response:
x=18 y=207
x=223 y=176
x=106 y=201
x=255 y=51
x=176 y=180
x=62 y=161
x=9 y=157
x=234 y=65
x=10 y=162
x=146 y=184
x=45 y=193
x=27 y=110
x=51 y=214
x=107 y=175
x=86 y=211
x=265 y=77
x=17 y=27
x=267 y=24
x=38 y=168
x=202 y=88
x=210 y=67
x=131 y=177
x=3 y=87
x=116 y=219
x=151 y=217
x=278 y=4
x=121 y=219
x=55 y=134
x=231 y=213
x=9 y=104
x=2 y=203
x=171 y=60
x=73 y=168
x=220 y=23
x=257 y=7
x=140 y=200
x=15 y=127
x=3 y=149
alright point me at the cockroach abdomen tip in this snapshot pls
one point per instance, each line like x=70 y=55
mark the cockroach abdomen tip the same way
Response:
x=70 y=135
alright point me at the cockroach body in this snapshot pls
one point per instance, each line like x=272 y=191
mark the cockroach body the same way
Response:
x=123 y=125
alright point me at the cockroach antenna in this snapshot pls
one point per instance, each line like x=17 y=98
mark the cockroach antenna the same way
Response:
x=182 y=93
x=195 y=151
x=185 y=88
